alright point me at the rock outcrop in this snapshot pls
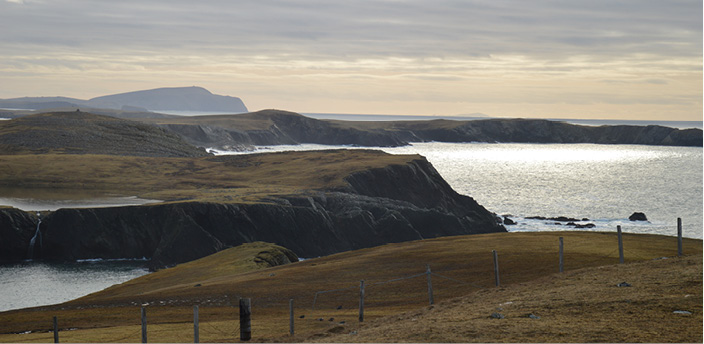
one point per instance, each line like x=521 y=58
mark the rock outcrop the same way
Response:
x=379 y=206
x=17 y=228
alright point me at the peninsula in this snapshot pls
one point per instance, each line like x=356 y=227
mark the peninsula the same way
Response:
x=314 y=203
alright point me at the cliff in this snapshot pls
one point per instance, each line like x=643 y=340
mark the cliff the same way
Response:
x=275 y=127
x=373 y=207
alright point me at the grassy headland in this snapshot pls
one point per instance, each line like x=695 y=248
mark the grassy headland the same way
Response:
x=247 y=178
x=582 y=304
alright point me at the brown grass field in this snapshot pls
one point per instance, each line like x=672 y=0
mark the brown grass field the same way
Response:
x=247 y=178
x=583 y=304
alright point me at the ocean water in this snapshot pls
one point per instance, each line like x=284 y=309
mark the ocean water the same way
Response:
x=31 y=284
x=603 y=183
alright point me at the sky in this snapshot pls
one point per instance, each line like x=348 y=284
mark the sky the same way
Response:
x=597 y=59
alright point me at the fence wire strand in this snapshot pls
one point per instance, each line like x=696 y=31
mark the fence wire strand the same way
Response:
x=458 y=281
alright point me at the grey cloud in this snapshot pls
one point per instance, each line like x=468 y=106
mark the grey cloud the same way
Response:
x=359 y=29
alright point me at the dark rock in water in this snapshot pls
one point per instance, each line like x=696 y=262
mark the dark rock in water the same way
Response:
x=508 y=221
x=536 y=218
x=563 y=219
x=638 y=217
x=586 y=225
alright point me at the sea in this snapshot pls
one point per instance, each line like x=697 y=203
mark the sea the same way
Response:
x=603 y=184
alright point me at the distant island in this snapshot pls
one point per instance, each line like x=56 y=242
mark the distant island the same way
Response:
x=160 y=99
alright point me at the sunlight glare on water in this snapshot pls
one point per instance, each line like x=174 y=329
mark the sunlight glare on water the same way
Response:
x=604 y=183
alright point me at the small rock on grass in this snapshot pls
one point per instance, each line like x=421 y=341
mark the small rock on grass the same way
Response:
x=497 y=315
x=683 y=312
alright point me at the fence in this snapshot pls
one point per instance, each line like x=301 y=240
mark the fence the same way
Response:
x=361 y=293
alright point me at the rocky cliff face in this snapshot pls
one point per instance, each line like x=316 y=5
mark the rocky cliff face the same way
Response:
x=16 y=230
x=397 y=203
x=281 y=127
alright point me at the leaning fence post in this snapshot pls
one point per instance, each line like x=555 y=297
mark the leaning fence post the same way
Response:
x=290 y=316
x=245 y=319
x=56 y=330
x=361 y=301
x=496 y=267
x=430 y=285
x=562 y=257
x=679 y=236
x=144 y=325
x=196 y=335
x=620 y=245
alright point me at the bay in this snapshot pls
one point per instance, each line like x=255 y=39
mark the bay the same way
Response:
x=31 y=284
x=604 y=183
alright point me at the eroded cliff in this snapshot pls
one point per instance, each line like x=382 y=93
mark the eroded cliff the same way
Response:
x=376 y=206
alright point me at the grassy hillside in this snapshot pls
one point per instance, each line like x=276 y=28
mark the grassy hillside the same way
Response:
x=84 y=133
x=215 y=179
x=578 y=305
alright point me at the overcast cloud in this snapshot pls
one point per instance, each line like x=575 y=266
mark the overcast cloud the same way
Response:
x=240 y=48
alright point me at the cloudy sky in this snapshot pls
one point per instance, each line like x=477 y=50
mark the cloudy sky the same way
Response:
x=623 y=59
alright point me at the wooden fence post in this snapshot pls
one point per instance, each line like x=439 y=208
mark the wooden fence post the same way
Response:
x=679 y=237
x=430 y=285
x=144 y=325
x=620 y=245
x=361 y=301
x=496 y=267
x=562 y=257
x=56 y=330
x=245 y=319
x=290 y=316
x=196 y=334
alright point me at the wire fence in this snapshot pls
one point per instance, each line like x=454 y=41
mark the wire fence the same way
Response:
x=396 y=291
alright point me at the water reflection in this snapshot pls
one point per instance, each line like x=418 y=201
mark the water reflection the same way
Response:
x=33 y=204
x=30 y=284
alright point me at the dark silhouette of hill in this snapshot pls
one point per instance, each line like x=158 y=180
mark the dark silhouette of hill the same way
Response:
x=171 y=98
